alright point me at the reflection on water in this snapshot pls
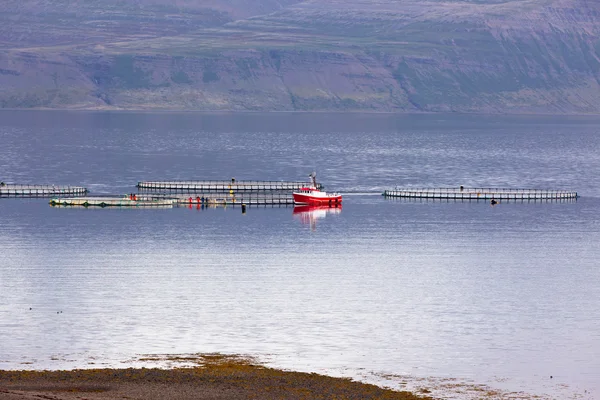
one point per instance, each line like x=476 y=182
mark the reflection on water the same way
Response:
x=309 y=215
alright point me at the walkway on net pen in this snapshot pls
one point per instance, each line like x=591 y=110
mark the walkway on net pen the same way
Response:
x=13 y=190
x=481 y=194
x=111 y=201
x=222 y=186
x=173 y=200
x=226 y=199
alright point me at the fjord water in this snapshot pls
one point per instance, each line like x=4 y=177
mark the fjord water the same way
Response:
x=505 y=295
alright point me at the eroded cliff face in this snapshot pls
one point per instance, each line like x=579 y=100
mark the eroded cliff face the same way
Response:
x=531 y=56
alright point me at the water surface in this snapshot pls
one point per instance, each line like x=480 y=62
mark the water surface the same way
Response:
x=505 y=295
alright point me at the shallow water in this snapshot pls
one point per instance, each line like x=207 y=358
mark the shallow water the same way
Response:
x=504 y=295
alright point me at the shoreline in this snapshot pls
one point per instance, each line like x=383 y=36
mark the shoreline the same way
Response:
x=214 y=376
x=117 y=110
x=234 y=376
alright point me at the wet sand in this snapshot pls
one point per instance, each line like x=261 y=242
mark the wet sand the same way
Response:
x=219 y=377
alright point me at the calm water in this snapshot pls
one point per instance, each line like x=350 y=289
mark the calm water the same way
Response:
x=505 y=295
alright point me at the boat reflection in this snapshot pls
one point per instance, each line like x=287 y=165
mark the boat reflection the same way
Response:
x=309 y=215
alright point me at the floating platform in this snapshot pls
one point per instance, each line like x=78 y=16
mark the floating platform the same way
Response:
x=222 y=186
x=166 y=200
x=12 y=190
x=481 y=194
x=125 y=201
x=223 y=199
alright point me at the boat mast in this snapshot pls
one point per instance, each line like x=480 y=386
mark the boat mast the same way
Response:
x=313 y=177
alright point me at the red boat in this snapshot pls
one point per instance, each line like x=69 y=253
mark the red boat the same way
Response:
x=314 y=197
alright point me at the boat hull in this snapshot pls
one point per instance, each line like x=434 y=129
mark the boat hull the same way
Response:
x=333 y=200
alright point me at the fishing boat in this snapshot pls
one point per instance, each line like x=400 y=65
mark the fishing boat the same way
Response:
x=314 y=197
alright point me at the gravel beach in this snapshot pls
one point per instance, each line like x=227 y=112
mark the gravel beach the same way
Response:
x=219 y=377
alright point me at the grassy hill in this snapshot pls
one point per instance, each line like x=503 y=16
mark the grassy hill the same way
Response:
x=494 y=56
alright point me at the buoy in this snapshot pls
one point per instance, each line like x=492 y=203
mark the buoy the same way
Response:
x=493 y=202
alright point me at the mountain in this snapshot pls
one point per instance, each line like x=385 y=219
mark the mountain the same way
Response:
x=490 y=56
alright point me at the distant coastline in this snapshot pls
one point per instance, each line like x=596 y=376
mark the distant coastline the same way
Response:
x=233 y=111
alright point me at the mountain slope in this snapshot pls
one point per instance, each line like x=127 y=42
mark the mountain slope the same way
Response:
x=406 y=55
x=34 y=23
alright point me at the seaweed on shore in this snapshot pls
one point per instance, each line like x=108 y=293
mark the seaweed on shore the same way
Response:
x=215 y=376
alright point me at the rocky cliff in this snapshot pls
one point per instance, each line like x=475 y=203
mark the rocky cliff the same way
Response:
x=520 y=56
